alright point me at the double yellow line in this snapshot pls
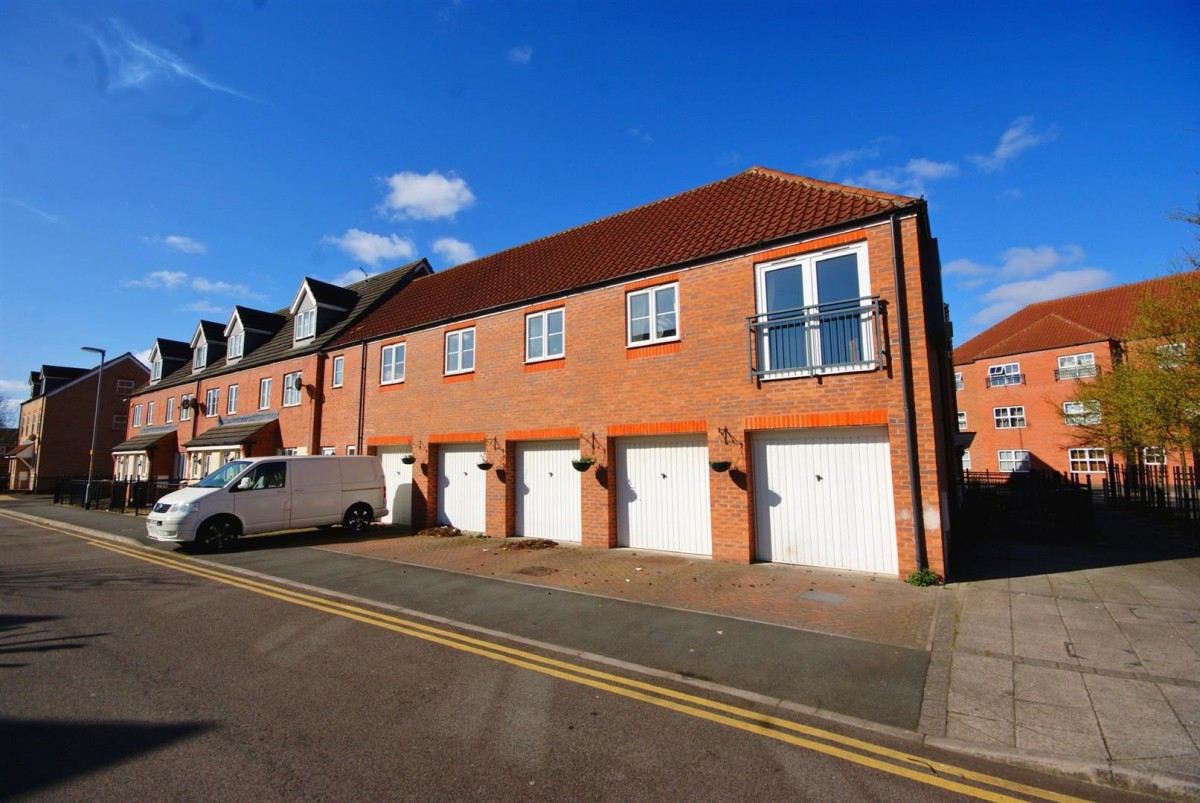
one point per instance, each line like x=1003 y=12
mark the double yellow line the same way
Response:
x=895 y=762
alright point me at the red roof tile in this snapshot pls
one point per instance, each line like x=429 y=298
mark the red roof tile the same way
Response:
x=1084 y=318
x=754 y=206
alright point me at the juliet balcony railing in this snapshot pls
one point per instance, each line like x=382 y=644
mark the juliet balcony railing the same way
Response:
x=1004 y=380
x=838 y=337
x=1075 y=372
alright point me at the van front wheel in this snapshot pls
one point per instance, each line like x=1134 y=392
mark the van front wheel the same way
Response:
x=219 y=533
x=358 y=518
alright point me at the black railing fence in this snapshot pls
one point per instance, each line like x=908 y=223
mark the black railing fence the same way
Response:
x=119 y=496
x=1039 y=504
x=1170 y=492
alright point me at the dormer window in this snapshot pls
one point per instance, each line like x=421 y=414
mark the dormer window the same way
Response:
x=200 y=357
x=156 y=370
x=237 y=343
x=306 y=324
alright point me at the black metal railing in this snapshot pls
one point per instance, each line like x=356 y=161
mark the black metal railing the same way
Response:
x=119 y=496
x=827 y=338
x=1171 y=492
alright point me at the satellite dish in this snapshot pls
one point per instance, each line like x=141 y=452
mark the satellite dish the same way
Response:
x=299 y=383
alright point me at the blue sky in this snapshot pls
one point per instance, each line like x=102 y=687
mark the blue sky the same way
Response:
x=161 y=162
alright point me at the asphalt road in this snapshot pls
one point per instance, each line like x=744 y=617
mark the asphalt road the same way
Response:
x=128 y=679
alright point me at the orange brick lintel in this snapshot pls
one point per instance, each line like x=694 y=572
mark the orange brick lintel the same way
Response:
x=814 y=245
x=457 y=437
x=850 y=418
x=637 y=352
x=559 y=304
x=548 y=365
x=550 y=433
x=670 y=277
x=455 y=378
x=390 y=440
x=657 y=428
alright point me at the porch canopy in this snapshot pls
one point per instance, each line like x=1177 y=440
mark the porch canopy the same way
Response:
x=229 y=435
x=145 y=442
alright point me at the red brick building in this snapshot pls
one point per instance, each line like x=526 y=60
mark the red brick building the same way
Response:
x=1022 y=384
x=759 y=369
x=55 y=428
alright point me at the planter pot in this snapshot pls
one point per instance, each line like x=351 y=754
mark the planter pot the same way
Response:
x=582 y=464
x=408 y=459
x=484 y=466
x=720 y=466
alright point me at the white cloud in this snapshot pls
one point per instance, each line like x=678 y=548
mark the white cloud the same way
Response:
x=185 y=244
x=205 y=308
x=1005 y=299
x=373 y=248
x=455 y=252
x=521 y=54
x=125 y=60
x=158 y=280
x=46 y=216
x=14 y=389
x=1024 y=262
x=202 y=285
x=1019 y=137
x=425 y=197
x=637 y=133
x=144 y=356
x=965 y=267
x=729 y=158
x=353 y=275
x=910 y=179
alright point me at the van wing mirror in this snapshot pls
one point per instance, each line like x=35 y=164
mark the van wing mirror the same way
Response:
x=244 y=484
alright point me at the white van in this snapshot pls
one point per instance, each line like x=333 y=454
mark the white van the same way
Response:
x=265 y=494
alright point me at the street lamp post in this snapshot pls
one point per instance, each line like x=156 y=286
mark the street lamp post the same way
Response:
x=87 y=493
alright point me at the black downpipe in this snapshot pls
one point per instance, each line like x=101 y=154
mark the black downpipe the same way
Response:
x=910 y=424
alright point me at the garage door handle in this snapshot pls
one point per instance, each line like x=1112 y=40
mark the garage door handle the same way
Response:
x=664 y=476
x=819 y=477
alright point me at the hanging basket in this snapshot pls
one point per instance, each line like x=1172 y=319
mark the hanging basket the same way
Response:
x=484 y=465
x=408 y=459
x=582 y=464
x=720 y=466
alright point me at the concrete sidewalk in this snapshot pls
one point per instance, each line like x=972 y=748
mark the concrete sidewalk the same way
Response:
x=1083 y=657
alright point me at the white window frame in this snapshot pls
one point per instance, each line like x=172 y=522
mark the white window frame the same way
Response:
x=137 y=415
x=306 y=324
x=185 y=411
x=962 y=420
x=339 y=371
x=1076 y=366
x=1005 y=374
x=391 y=370
x=328 y=450
x=200 y=357
x=542 y=340
x=170 y=410
x=1079 y=413
x=958 y=380
x=1009 y=417
x=966 y=460
x=237 y=346
x=1154 y=456
x=652 y=313
x=454 y=348
x=1017 y=460
x=231 y=400
x=1085 y=460
x=212 y=402
x=156 y=367
x=351 y=450
x=291 y=394
x=150 y=414
x=264 y=393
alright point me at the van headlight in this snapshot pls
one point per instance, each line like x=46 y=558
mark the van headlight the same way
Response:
x=184 y=507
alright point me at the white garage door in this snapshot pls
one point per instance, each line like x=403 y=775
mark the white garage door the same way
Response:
x=824 y=498
x=548 y=490
x=662 y=498
x=397 y=477
x=462 y=499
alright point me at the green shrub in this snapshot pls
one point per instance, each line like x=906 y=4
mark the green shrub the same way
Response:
x=924 y=577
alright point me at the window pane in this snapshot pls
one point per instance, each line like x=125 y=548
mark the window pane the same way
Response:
x=664 y=308
x=639 y=317
x=533 y=345
x=554 y=345
x=468 y=350
x=452 y=346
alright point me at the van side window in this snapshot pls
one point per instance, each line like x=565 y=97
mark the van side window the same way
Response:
x=268 y=475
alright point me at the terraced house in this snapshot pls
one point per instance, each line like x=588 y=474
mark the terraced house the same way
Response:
x=248 y=387
x=758 y=369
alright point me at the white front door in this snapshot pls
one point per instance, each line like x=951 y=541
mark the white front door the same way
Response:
x=823 y=497
x=662 y=496
x=548 y=490
x=462 y=488
x=397 y=478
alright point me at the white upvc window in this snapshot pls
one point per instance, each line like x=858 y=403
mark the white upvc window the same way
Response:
x=652 y=315
x=137 y=415
x=460 y=351
x=212 y=398
x=264 y=393
x=958 y=380
x=1172 y=355
x=186 y=403
x=1080 y=413
x=1009 y=417
x=351 y=450
x=1008 y=373
x=966 y=460
x=124 y=387
x=170 y=409
x=291 y=390
x=339 y=370
x=156 y=370
x=391 y=363
x=1076 y=366
x=1154 y=456
x=544 y=336
x=231 y=400
x=237 y=344
x=1013 y=459
x=200 y=357
x=306 y=324
x=328 y=450
x=1087 y=461
x=962 y=420
x=150 y=414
